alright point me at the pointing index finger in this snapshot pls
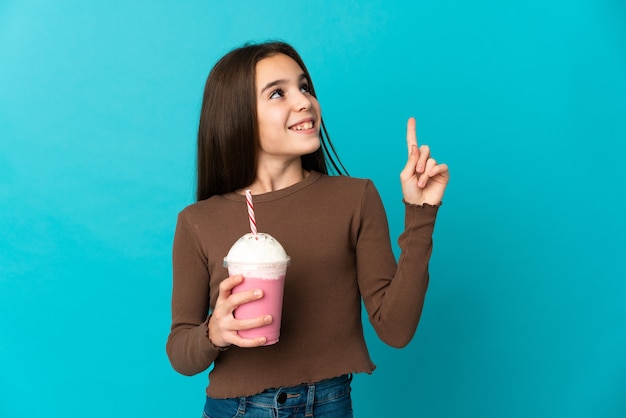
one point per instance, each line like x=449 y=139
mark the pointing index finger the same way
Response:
x=411 y=136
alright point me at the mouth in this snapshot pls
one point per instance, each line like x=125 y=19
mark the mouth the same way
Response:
x=303 y=126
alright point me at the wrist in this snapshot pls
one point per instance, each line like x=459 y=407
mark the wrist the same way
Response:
x=208 y=337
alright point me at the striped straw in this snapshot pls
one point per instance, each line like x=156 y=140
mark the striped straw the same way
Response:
x=251 y=212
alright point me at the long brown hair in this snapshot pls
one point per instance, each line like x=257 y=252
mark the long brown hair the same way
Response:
x=228 y=137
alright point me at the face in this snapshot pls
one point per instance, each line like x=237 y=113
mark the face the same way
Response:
x=289 y=117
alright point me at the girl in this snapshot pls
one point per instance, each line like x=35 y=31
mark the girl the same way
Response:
x=261 y=129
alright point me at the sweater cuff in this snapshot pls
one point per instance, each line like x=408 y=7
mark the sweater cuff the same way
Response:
x=418 y=216
x=423 y=205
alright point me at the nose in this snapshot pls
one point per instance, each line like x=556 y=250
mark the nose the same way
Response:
x=302 y=102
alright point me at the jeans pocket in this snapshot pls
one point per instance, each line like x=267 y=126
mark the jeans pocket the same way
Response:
x=337 y=407
x=221 y=408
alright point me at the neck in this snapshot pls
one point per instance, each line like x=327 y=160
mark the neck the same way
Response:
x=272 y=177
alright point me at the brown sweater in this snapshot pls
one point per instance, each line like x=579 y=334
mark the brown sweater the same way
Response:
x=335 y=230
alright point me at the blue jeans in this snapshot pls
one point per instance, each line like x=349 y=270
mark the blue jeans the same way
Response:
x=326 y=399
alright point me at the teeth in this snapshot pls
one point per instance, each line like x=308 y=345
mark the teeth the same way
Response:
x=302 y=126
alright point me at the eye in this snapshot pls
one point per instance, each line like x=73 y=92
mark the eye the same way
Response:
x=304 y=88
x=278 y=93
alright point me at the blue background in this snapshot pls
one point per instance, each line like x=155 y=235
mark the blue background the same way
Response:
x=525 y=100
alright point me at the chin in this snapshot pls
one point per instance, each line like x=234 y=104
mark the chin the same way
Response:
x=314 y=148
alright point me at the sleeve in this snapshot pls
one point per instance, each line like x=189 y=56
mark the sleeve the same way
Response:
x=393 y=294
x=188 y=348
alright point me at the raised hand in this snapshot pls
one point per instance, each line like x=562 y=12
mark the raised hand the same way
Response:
x=422 y=179
x=223 y=326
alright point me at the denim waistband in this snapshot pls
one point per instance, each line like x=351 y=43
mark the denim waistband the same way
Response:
x=301 y=396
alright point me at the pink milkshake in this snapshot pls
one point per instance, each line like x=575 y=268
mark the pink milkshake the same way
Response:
x=263 y=262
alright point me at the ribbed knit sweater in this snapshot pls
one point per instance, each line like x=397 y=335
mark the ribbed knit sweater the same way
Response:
x=335 y=230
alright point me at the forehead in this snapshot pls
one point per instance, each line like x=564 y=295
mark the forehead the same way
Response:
x=277 y=67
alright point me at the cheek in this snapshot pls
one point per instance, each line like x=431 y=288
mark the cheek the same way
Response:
x=267 y=121
x=316 y=105
x=270 y=127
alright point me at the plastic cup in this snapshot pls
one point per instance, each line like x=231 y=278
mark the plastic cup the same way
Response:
x=262 y=262
x=270 y=278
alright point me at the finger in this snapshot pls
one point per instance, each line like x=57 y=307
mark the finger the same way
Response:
x=239 y=298
x=424 y=155
x=409 y=169
x=224 y=330
x=228 y=299
x=425 y=176
x=439 y=169
x=225 y=290
x=227 y=285
x=247 y=342
x=411 y=135
x=250 y=323
x=244 y=324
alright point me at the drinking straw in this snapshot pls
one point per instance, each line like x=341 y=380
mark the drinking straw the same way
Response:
x=251 y=212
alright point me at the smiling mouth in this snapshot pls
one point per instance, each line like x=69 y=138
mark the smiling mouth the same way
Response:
x=303 y=126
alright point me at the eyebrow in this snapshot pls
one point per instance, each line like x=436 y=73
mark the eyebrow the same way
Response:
x=281 y=81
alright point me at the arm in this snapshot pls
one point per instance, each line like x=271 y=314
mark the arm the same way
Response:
x=394 y=294
x=394 y=297
x=188 y=347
